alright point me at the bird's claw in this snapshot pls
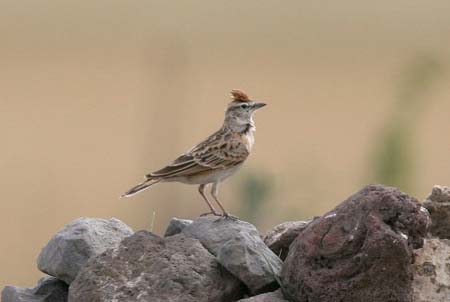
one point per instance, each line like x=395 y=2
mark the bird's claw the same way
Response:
x=229 y=216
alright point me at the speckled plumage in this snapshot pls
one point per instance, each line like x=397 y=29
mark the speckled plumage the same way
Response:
x=220 y=151
x=217 y=157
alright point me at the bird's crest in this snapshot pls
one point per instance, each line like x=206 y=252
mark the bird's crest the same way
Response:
x=239 y=96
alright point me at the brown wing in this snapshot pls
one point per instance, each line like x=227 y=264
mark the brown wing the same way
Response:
x=219 y=151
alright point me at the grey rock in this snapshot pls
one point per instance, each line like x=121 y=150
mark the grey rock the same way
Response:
x=48 y=289
x=176 y=225
x=146 y=267
x=71 y=247
x=240 y=249
x=438 y=204
x=360 y=251
x=275 y=296
x=281 y=236
x=432 y=271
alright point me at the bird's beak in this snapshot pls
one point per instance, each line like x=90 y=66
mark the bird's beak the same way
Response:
x=258 y=105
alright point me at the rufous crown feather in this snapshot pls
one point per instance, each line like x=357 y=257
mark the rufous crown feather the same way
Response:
x=239 y=96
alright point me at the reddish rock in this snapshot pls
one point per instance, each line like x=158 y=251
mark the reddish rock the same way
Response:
x=361 y=250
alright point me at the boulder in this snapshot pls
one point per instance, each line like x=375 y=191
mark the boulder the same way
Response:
x=281 y=236
x=239 y=248
x=176 y=225
x=275 y=296
x=48 y=289
x=146 y=267
x=432 y=271
x=362 y=248
x=438 y=204
x=71 y=247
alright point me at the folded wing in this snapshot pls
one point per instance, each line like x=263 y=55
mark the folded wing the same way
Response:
x=219 y=151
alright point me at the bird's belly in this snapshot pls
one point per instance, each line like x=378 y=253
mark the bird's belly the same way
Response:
x=207 y=177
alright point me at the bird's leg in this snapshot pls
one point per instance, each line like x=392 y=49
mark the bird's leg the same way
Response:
x=215 y=195
x=201 y=190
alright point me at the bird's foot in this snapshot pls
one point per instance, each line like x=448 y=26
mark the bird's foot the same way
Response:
x=225 y=215
x=210 y=213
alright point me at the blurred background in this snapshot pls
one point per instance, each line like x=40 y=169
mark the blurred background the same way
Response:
x=95 y=94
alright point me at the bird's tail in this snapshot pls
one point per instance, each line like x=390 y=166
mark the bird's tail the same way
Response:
x=140 y=187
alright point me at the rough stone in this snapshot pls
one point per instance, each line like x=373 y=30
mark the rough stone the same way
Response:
x=362 y=248
x=146 y=267
x=438 y=204
x=176 y=225
x=71 y=247
x=48 y=289
x=239 y=248
x=432 y=271
x=275 y=296
x=281 y=236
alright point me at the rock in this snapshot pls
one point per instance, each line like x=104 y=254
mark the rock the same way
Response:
x=176 y=225
x=438 y=204
x=48 y=289
x=432 y=271
x=281 y=236
x=240 y=249
x=360 y=250
x=71 y=247
x=275 y=296
x=145 y=267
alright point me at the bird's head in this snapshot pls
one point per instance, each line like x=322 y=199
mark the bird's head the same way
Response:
x=239 y=113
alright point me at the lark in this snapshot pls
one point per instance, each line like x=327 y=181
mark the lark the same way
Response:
x=216 y=158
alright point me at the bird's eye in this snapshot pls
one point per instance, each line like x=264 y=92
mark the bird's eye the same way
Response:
x=244 y=106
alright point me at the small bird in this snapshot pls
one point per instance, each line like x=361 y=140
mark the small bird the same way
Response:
x=214 y=159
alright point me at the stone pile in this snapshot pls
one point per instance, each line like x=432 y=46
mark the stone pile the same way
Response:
x=378 y=245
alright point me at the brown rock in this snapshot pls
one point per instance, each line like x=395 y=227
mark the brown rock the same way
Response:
x=360 y=251
x=432 y=271
x=146 y=267
x=281 y=236
x=438 y=204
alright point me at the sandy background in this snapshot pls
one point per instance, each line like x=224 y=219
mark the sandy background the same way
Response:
x=95 y=94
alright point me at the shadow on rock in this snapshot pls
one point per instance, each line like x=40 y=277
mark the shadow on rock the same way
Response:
x=239 y=248
x=280 y=237
x=48 y=289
